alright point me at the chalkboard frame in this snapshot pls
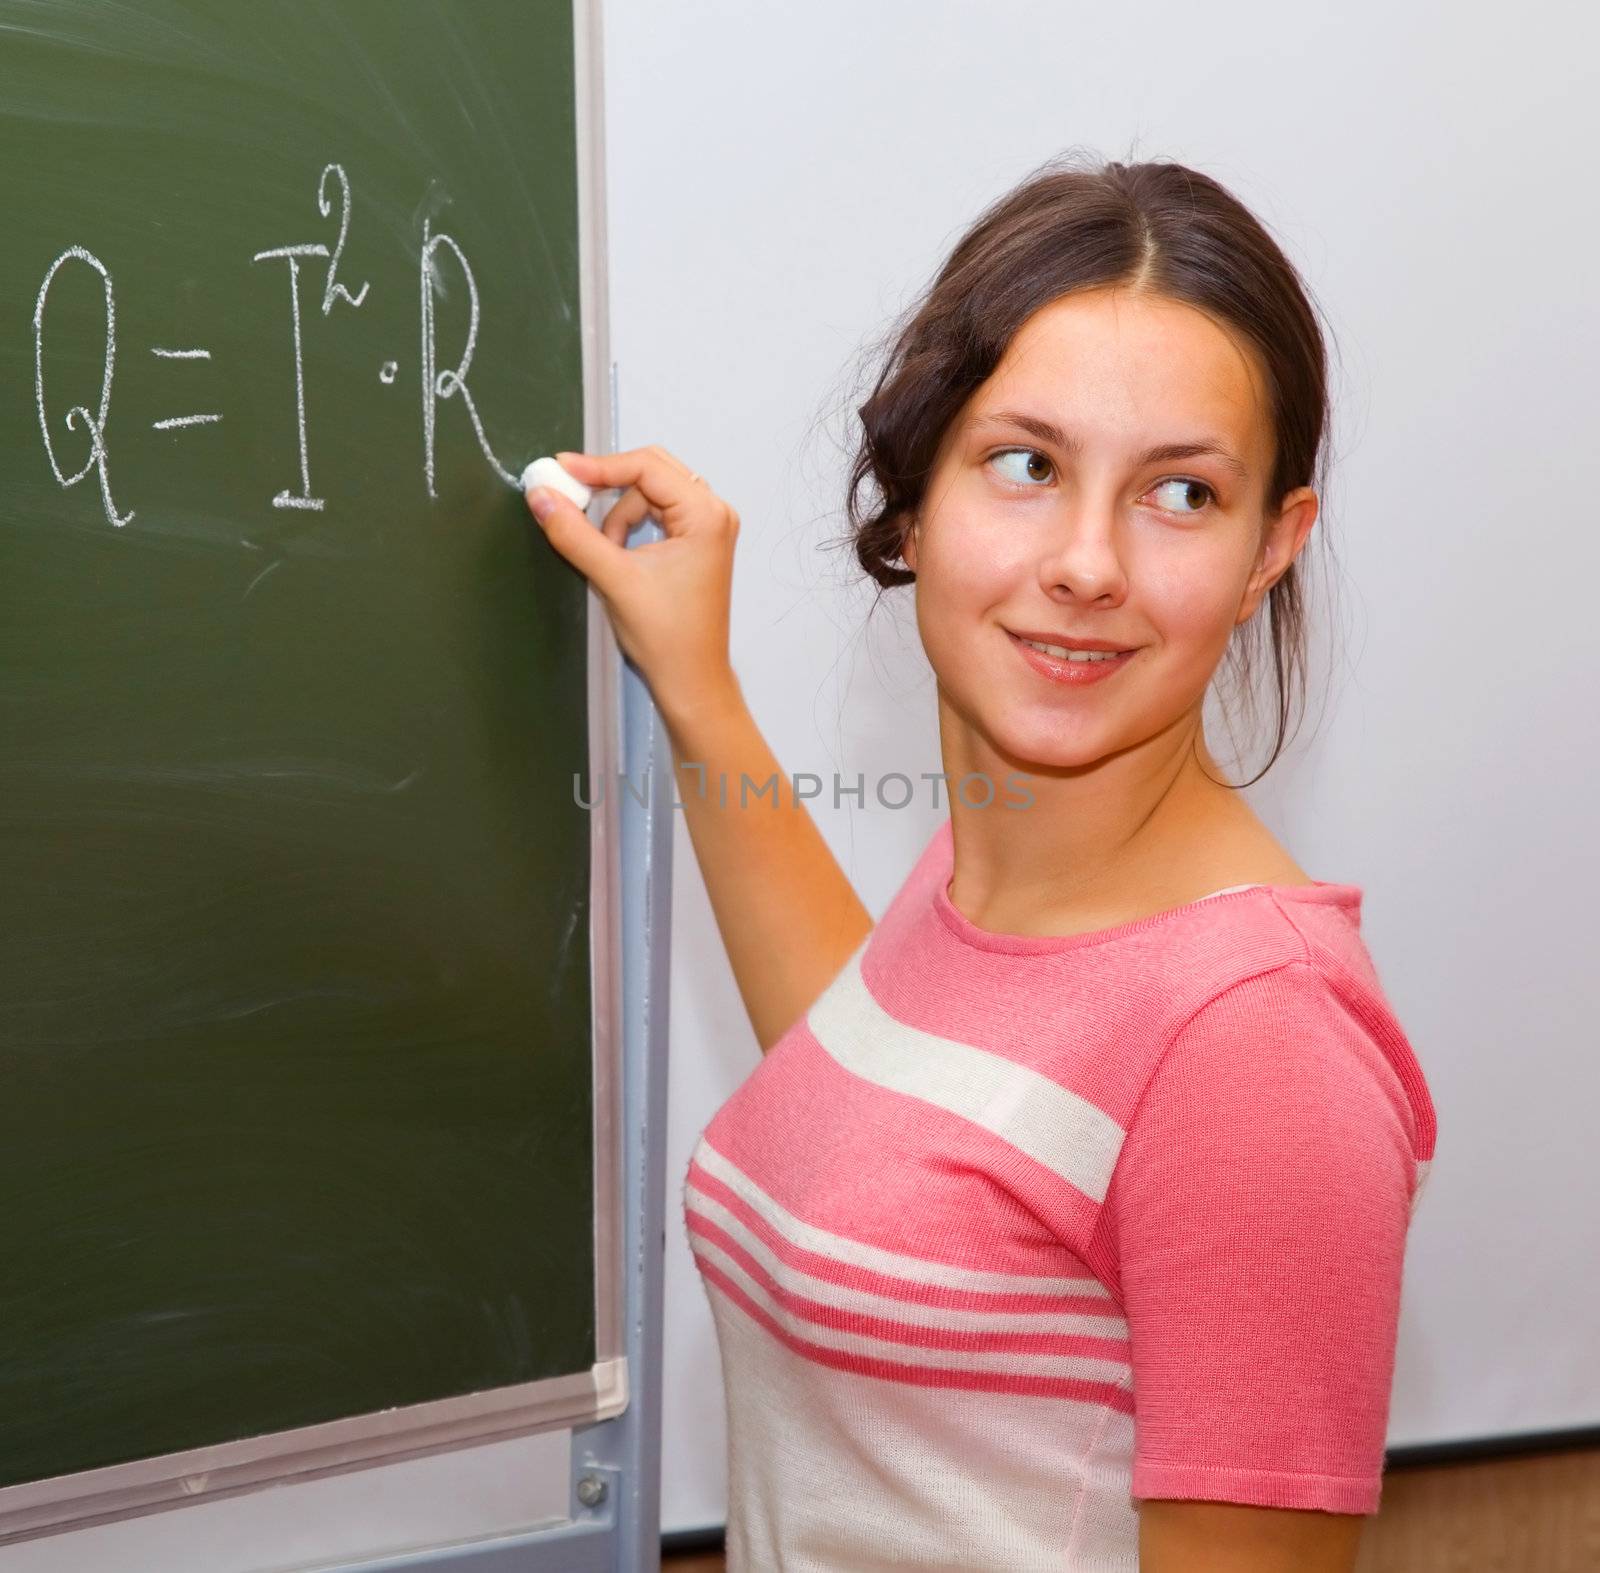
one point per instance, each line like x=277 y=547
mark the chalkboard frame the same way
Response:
x=587 y=1398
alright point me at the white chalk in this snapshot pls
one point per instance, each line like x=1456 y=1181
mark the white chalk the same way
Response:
x=548 y=472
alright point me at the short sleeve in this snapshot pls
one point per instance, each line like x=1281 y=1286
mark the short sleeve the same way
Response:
x=1257 y=1215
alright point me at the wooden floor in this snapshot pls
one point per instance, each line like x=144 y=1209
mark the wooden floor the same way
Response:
x=1539 y=1514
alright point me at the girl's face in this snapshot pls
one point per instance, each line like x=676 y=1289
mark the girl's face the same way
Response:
x=1050 y=514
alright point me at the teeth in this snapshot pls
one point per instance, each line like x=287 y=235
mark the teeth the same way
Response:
x=1062 y=653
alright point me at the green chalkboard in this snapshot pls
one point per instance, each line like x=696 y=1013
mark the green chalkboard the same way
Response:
x=296 y=1075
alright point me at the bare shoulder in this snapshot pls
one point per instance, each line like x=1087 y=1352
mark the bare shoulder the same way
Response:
x=1244 y=852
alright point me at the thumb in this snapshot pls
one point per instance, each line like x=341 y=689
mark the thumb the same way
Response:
x=570 y=531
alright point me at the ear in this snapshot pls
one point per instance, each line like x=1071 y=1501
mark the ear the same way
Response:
x=908 y=541
x=1283 y=539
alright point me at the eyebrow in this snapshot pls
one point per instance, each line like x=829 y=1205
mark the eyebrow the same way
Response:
x=1048 y=431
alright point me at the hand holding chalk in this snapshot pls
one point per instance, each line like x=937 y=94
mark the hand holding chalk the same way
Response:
x=668 y=600
x=548 y=472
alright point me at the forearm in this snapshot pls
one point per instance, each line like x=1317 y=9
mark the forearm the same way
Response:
x=788 y=917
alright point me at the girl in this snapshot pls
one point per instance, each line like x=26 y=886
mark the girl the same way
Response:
x=1062 y=1224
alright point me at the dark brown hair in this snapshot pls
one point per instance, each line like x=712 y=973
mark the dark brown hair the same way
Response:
x=1154 y=228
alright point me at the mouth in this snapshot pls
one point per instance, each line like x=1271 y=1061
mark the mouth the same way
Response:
x=1067 y=664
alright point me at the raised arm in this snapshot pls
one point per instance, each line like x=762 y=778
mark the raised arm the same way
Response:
x=788 y=917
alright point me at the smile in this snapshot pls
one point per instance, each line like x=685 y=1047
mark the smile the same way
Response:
x=1066 y=653
x=1073 y=668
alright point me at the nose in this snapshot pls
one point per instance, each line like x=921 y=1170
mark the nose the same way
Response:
x=1081 y=557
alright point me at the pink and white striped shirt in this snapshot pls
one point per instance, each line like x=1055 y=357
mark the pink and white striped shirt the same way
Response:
x=1009 y=1231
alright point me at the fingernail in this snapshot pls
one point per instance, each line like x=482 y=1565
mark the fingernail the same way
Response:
x=541 y=500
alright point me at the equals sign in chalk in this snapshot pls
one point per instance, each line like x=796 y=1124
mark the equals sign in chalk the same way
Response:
x=183 y=420
x=175 y=421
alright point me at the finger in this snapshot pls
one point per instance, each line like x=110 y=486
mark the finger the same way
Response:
x=663 y=480
x=568 y=530
x=631 y=509
x=590 y=458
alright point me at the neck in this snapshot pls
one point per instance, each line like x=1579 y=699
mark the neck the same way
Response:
x=1127 y=833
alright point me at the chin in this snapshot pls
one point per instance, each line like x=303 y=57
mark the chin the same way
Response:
x=1046 y=744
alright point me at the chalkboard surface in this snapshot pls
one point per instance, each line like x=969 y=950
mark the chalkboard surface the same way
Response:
x=295 y=1019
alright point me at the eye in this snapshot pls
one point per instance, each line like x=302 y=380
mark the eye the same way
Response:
x=1187 y=489
x=1027 y=473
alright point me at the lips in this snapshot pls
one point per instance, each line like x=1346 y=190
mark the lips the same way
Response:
x=1069 y=641
x=1068 y=673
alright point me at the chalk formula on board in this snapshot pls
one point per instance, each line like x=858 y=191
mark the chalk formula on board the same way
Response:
x=300 y=258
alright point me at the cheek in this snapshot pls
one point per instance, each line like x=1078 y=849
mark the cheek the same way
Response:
x=959 y=585
x=963 y=570
x=970 y=571
x=1190 y=599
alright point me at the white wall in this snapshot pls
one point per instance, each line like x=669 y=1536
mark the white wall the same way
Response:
x=783 y=179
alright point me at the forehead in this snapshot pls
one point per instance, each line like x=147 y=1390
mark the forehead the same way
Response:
x=1113 y=360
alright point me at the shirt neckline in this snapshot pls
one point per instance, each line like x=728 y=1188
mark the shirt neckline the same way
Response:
x=1319 y=893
